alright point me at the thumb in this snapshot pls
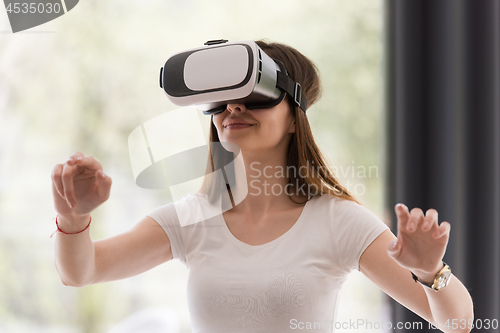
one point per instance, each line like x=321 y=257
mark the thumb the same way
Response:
x=393 y=249
x=100 y=175
x=103 y=178
x=105 y=184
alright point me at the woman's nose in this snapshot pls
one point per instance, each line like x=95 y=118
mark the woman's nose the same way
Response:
x=236 y=107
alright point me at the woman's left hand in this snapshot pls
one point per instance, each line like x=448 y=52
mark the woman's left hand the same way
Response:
x=421 y=242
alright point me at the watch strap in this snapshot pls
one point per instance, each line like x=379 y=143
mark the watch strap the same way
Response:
x=431 y=285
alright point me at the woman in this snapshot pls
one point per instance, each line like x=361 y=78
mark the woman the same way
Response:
x=275 y=261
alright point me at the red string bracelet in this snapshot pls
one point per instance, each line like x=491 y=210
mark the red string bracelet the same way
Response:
x=68 y=233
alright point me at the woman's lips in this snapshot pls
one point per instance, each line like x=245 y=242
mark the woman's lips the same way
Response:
x=237 y=126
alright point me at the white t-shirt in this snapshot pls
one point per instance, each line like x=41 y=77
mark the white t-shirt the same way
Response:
x=287 y=285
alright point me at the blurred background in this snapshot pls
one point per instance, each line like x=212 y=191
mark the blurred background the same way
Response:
x=85 y=80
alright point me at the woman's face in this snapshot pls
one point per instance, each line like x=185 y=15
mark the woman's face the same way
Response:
x=269 y=128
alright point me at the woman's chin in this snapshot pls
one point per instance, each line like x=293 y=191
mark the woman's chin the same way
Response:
x=231 y=145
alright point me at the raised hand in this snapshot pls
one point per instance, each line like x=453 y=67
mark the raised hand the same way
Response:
x=421 y=242
x=79 y=185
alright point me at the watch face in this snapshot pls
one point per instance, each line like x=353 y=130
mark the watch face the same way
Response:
x=443 y=280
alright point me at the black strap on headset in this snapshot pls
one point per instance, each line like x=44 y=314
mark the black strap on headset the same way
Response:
x=293 y=89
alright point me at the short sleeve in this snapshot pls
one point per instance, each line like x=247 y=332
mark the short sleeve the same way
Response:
x=355 y=228
x=166 y=217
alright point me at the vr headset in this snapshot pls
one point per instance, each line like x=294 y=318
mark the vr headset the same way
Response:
x=220 y=73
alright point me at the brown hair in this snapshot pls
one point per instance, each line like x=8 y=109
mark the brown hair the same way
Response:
x=302 y=149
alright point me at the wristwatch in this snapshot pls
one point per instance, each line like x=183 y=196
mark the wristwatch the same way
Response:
x=440 y=281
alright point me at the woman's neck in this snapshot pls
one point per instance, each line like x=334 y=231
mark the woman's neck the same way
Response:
x=266 y=177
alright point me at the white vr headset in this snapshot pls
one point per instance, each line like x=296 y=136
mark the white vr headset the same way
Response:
x=212 y=76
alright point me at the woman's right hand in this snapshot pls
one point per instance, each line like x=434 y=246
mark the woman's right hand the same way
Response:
x=81 y=183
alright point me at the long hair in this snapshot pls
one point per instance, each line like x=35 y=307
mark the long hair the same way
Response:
x=303 y=152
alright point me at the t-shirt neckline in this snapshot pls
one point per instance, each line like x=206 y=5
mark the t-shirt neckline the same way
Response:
x=274 y=241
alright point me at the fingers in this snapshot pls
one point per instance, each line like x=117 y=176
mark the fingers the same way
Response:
x=57 y=172
x=62 y=175
x=75 y=156
x=411 y=221
x=88 y=161
x=67 y=181
x=101 y=176
x=442 y=230
x=103 y=191
x=431 y=219
x=402 y=215
x=67 y=176
x=56 y=179
x=416 y=219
